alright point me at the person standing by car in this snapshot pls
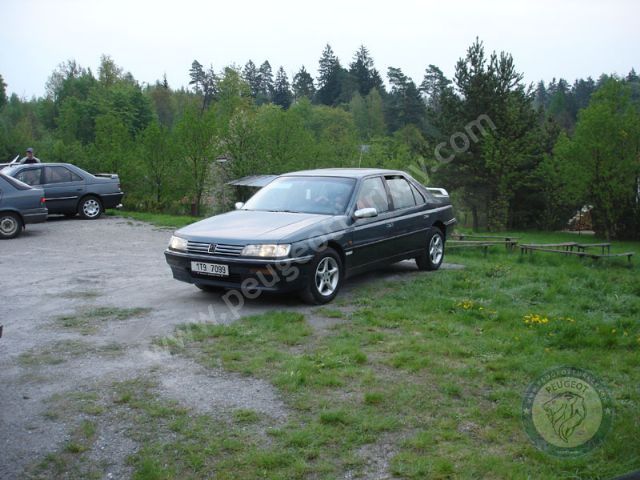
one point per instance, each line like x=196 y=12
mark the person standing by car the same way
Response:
x=29 y=158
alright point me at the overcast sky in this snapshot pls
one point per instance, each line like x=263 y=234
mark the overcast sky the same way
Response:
x=569 y=39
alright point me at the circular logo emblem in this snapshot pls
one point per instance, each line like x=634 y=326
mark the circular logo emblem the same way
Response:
x=567 y=411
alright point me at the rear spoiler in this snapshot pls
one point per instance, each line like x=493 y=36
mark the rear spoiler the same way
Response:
x=438 y=192
x=107 y=175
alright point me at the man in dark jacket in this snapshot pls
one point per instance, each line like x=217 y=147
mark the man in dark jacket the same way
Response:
x=29 y=158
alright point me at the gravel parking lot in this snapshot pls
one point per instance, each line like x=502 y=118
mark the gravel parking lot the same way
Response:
x=82 y=304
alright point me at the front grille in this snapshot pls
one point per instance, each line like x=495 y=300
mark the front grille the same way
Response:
x=219 y=249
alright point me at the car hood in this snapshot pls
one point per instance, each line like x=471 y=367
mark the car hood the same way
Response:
x=247 y=226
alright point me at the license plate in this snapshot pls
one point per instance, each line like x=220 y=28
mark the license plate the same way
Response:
x=210 y=269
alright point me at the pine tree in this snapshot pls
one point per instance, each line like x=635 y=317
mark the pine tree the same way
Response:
x=404 y=104
x=3 y=92
x=331 y=76
x=204 y=82
x=303 y=85
x=363 y=72
x=435 y=87
x=251 y=76
x=282 y=90
x=265 y=82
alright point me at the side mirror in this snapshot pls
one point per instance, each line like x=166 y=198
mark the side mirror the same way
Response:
x=365 y=213
x=239 y=205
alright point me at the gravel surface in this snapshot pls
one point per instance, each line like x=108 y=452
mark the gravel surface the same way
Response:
x=69 y=266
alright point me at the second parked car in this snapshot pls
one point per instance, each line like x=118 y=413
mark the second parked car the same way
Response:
x=19 y=205
x=69 y=189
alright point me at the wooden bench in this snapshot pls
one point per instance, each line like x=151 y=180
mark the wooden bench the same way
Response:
x=462 y=238
x=583 y=246
x=476 y=243
x=567 y=249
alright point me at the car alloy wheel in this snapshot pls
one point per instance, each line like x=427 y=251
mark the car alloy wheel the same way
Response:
x=90 y=208
x=9 y=225
x=433 y=254
x=325 y=278
x=436 y=249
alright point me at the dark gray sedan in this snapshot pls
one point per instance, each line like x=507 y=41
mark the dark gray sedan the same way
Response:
x=69 y=189
x=308 y=231
x=19 y=205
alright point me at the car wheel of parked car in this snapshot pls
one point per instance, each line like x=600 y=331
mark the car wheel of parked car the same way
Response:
x=90 y=208
x=432 y=257
x=10 y=225
x=325 y=278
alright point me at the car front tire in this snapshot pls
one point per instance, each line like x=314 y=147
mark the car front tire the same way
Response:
x=325 y=278
x=431 y=259
x=10 y=225
x=90 y=208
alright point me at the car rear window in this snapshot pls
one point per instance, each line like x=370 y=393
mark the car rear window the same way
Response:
x=15 y=183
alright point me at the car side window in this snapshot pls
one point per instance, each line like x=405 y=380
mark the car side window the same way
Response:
x=400 y=192
x=418 y=196
x=59 y=174
x=373 y=195
x=30 y=176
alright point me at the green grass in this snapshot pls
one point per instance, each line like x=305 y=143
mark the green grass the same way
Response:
x=71 y=460
x=439 y=364
x=62 y=351
x=157 y=219
x=88 y=320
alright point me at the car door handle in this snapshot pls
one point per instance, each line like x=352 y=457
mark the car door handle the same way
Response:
x=389 y=225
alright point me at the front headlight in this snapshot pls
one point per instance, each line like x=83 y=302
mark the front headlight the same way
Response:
x=177 y=243
x=271 y=251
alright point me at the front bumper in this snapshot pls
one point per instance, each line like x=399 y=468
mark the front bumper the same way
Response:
x=283 y=275
x=35 y=215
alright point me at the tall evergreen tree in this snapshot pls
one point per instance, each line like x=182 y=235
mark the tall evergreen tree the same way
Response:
x=435 y=87
x=331 y=77
x=494 y=145
x=252 y=77
x=204 y=82
x=363 y=72
x=282 y=90
x=303 y=85
x=3 y=92
x=404 y=104
x=265 y=82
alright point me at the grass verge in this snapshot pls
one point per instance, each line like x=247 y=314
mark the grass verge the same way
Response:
x=157 y=219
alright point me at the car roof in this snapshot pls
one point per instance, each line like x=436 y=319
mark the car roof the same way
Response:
x=345 y=172
x=42 y=164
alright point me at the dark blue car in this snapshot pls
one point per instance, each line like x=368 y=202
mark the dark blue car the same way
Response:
x=308 y=231
x=70 y=190
x=20 y=205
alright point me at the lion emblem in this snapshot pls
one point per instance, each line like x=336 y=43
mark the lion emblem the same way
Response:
x=566 y=412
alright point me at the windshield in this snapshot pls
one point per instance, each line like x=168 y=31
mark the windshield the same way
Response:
x=321 y=195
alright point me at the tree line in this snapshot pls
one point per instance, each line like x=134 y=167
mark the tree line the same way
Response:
x=514 y=156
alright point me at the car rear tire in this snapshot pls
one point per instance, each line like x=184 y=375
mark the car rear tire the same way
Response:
x=325 y=278
x=10 y=225
x=90 y=208
x=431 y=259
